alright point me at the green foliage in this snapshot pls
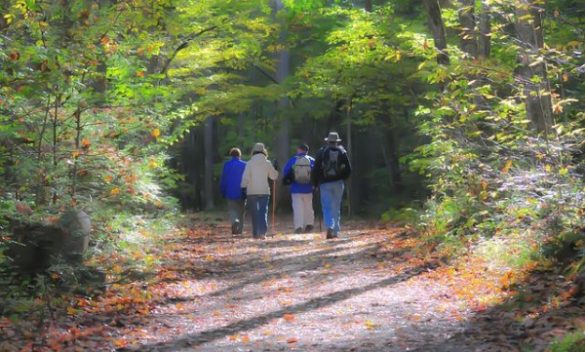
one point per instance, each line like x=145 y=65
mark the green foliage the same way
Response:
x=573 y=342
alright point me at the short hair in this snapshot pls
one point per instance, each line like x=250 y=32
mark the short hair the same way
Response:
x=304 y=147
x=236 y=152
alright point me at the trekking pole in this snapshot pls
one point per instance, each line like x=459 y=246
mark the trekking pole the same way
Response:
x=273 y=207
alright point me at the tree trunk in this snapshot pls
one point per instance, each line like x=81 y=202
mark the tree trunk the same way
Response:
x=485 y=28
x=282 y=73
x=467 y=32
x=530 y=33
x=394 y=162
x=368 y=6
x=209 y=163
x=351 y=183
x=438 y=28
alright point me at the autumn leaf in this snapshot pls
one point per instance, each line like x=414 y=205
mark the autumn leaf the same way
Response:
x=370 y=325
x=288 y=317
x=155 y=133
x=153 y=164
x=85 y=143
x=14 y=56
x=507 y=167
x=292 y=340
x=115 y=191
x=566 y=77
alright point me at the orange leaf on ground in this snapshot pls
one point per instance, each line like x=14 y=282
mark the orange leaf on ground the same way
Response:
x=292 y=340
x=288 y=317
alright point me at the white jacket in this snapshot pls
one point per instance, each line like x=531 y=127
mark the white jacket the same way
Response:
x=258 y=171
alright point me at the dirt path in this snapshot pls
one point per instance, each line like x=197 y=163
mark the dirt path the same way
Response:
x=294 y=292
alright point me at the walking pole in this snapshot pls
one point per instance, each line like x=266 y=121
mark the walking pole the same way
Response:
x=273 y=207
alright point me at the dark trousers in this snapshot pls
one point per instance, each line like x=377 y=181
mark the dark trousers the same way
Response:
x=258 y=207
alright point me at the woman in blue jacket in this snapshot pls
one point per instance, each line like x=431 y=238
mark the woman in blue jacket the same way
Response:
x=231 y=179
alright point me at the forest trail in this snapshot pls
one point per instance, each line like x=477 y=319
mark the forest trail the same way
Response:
x=362 y=292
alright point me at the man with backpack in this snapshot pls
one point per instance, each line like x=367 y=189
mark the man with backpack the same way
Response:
x=298 y=174
x=332 y=168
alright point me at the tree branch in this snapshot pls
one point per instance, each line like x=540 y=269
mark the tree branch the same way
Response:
x=266 y=74
x=184 y=45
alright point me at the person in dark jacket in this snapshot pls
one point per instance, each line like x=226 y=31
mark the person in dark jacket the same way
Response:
x=231 y=180
x=332 y=168
x=298 y=172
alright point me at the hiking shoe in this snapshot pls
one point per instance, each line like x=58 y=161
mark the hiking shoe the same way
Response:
x=309 y=229
x=235 y=227
x=299 y=231
x=331 y=234
x=240 y=229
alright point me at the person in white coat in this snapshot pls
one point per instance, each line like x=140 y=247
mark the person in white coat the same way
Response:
x=255 y=181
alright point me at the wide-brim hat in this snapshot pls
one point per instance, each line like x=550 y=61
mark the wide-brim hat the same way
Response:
x=259 y=148
x=333 y=137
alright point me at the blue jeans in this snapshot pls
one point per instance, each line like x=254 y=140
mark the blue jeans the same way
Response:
x=331 y=197
x=258 y=206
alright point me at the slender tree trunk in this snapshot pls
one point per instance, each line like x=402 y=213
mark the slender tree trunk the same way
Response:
x=78 y=130
x=467 y=33
x=349 y=132
x=368 y=6
x=282 y=73
x=209 y=163
x=55 y=127
x=394 y=161
x=41 y=191
x=437 y=25
x=241 y=128
x=530 y=33
x=485 y=29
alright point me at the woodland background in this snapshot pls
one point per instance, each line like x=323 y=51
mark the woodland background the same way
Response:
x=463 y=119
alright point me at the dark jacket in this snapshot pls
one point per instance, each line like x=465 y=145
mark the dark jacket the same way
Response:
x=344 y=166
x=288 y=171
x=231 y=179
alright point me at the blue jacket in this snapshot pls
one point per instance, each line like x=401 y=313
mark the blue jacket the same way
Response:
x=231 y=179
x=297 y=187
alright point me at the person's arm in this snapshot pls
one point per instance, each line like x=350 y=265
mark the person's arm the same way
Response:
x=246 y=177
x=289 y=165
x=272 y=173
x=347 y=168
x=316 y=173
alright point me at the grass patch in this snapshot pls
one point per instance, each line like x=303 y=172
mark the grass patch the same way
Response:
x=574 y=342
x=514 y=251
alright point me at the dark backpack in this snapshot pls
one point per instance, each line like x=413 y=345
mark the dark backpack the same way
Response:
x=332 y=163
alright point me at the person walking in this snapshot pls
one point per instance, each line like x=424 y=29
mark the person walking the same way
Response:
x=230 y=186
x=255 y=181
x=332 y=168
x=298 y=174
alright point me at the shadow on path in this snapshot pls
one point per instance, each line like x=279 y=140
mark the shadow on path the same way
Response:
x=250 y=324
